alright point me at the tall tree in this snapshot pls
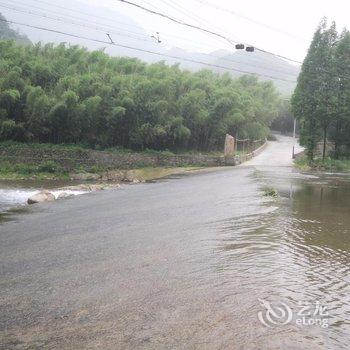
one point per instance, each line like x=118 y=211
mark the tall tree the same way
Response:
x=314 y=99
x=342 y=62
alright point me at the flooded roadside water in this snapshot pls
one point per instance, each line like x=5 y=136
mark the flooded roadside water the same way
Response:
x=295 y=254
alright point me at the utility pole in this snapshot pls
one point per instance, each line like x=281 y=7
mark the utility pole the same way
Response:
x=293 y=154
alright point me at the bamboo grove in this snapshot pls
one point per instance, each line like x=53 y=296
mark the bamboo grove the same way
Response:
x=66 y=94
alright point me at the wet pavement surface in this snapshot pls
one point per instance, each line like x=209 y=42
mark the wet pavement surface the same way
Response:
x=184 y=263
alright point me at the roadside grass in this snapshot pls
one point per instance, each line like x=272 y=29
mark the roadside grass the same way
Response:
x=15 y=146
x=80 y=149
x=45 y=170
x=51 y=171
x=328 y=164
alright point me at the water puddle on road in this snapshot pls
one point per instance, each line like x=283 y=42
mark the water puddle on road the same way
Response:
x=295 y=255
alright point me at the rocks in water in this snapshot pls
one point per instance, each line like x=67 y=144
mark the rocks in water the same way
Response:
x=90 y=187
x=96 y=187
x=65 y=195
x=43 y=196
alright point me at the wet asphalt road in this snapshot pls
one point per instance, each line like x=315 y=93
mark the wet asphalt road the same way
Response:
x=124 y=267
x=141 y=267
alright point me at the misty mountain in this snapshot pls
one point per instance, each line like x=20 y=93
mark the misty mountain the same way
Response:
x=266 y=66
x=6 y=33
x=94 y=22
x=269 y=67
x=84 y=22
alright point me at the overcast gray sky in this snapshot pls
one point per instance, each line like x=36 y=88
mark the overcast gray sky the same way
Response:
x=297 y=20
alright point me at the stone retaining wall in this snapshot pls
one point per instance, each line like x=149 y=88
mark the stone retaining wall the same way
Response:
x=71 y=160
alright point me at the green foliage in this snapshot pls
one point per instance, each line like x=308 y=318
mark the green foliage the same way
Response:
x=270 y=192
x=322 y=97
x=254 y=130
x=271 y=137
x=321 y=164
x=67 y=95
x=9 y=129
x=284 y=122
x=50 y=167
x=9 y=170
x=11 y=146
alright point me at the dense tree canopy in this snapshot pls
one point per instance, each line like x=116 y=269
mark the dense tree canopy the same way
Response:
x=284 y=122
x=321 y=100
x=65 y=94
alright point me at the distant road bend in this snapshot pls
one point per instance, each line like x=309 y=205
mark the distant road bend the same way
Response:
x=276 y=153
x=177 y=264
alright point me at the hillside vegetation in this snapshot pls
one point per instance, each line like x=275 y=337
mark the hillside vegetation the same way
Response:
x=66 y=94
x=265 y=65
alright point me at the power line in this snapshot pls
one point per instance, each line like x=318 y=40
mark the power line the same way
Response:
x=198 y=19
x=189 y=14
x=248 y=19
x=98 y=17
x=80 y=12
x=144 y=50
x=114 y=21
x=200 y=28
x=128 y=24
x=67 y=19
x=141 y=39
x=103 y=30
x=177 y=21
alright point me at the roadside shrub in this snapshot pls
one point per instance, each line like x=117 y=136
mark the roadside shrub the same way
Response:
x=270 y=192
x=271 y=137
x=50 y=167
x=25 y=169
x=320 y=164
x=6 y=167
x=96 y=169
